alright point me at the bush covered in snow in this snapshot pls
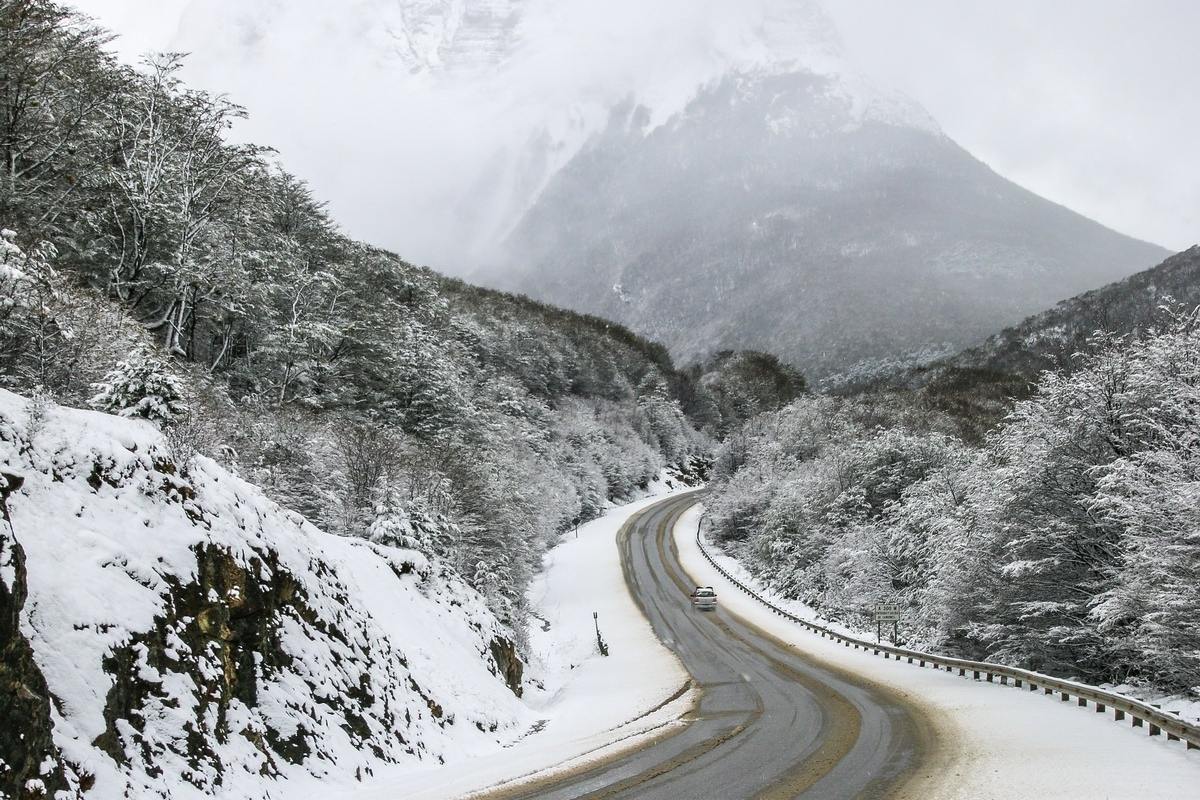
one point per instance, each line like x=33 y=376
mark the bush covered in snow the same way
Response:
x=141 y=386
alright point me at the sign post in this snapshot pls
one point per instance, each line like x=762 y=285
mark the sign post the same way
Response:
x=600 y=643
x=887 y=612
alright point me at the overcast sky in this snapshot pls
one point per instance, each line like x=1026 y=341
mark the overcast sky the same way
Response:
x=1094 y=104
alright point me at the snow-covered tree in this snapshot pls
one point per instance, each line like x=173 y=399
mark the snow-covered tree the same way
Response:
x=1152 y=492
x=392 y=525
x=141 y=385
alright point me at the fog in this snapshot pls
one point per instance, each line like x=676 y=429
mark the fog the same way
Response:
x=429 y=134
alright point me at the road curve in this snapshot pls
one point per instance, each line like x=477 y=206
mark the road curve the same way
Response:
x=770 y=722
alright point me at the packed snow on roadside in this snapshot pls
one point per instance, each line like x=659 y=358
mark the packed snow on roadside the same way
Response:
x=995 y=741
x=586 y=706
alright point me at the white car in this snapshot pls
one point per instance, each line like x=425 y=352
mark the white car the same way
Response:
x=704 y=598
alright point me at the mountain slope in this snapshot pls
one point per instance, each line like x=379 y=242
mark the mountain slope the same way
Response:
x=979 y=385
x=196 y=637
x=1049 y=339
x=806 y=215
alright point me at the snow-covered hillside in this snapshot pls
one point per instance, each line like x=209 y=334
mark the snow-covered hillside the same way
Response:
x=192 y=635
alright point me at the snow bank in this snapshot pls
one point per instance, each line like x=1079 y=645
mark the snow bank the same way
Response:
x=587 y=706
x=993 y=741
x=199 y=639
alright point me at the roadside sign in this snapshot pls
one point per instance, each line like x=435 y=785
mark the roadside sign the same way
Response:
x=887 y=612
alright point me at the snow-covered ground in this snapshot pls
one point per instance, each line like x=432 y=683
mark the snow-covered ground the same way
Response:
x=198 y=639
x=993 y=741
x=590 y=706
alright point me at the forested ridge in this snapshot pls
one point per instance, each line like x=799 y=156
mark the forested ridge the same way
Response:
x=1064 y=540
x=979 y=384
x=153 y=267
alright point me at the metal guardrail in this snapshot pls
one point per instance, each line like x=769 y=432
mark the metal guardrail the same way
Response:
x=1140 y=714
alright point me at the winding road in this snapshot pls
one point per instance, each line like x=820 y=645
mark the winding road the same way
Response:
x=770 y=722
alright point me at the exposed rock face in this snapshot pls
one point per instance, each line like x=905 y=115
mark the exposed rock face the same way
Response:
x=455 y=36
x=223 y=632
x=30 y=764
x=508 y=663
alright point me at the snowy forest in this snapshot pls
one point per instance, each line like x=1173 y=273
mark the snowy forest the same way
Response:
x=152 y=267
x=1066 y=541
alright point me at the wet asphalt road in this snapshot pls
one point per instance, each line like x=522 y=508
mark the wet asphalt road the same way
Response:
x=770 y=723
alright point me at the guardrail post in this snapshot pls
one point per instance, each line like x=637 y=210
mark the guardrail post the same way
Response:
x=1100 y=709
x=1154 y=729
x=975 y=674
x=1047 y=690
x=1083 y=702
x=1065 y=697
x=1137 y=722
x=1004 y=680
x=1118 y=714
x=1172 y=737
x=1018 y=682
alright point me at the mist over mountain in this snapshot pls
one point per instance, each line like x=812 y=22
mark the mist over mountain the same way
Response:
x=723 y=164
x=980 y=384
x=432 y=126
x=1130 y=307
x=809 y=216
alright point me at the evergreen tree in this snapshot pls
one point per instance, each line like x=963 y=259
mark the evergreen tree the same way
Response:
x=392 y=525
x=141 y=386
